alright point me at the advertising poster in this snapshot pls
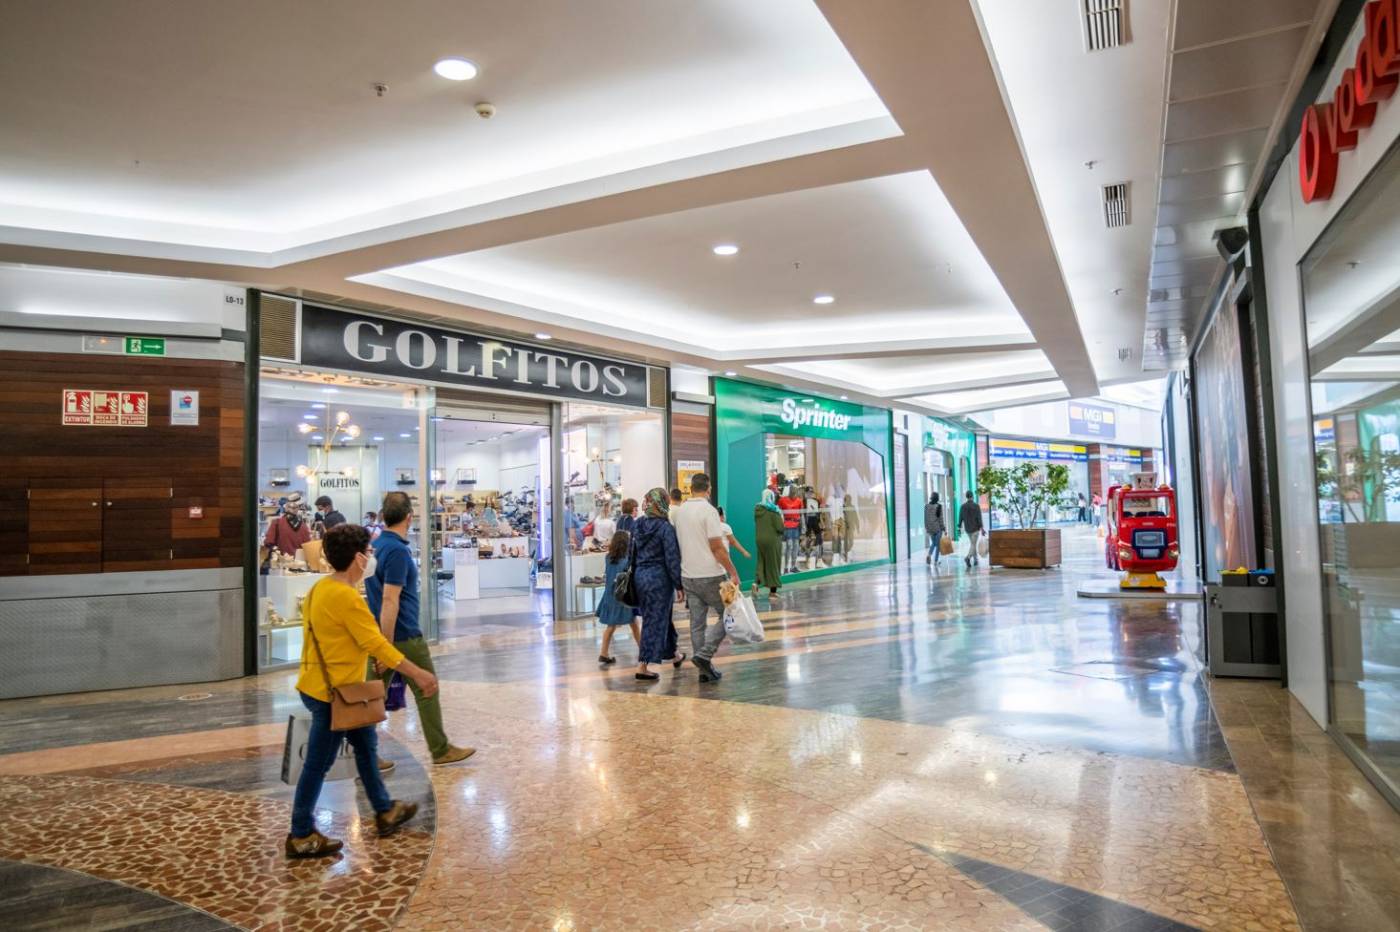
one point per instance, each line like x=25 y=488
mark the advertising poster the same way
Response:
x=1227 y=493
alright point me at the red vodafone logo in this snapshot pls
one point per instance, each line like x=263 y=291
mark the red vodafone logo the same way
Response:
x=1331 y=127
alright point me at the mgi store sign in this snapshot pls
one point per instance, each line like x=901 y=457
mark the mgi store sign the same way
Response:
x=336 y=339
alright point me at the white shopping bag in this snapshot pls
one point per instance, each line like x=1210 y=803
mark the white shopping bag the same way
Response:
x=294 y=753
x=741 y=621
x=982 y=544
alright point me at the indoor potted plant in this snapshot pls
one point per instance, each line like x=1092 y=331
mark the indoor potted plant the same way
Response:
x=1024 y=493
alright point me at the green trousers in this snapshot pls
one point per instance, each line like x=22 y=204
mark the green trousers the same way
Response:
x=429 y=710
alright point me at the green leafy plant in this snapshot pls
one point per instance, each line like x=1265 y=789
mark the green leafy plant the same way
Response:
x=1025 y=491
x=1366 y=480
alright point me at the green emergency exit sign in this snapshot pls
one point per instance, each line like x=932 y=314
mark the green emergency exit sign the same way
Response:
x=145 y=346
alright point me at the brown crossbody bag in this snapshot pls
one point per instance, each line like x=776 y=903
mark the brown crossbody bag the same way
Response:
x=354 y=705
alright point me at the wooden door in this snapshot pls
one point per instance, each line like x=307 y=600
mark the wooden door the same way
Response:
x=136 y=524
x=64 y=526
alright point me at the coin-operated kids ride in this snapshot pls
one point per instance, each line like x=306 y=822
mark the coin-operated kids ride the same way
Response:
x=1141 y=539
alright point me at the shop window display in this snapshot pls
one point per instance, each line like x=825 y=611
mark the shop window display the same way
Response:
x=609 y=454
x=834 y=491
x=1350 y=284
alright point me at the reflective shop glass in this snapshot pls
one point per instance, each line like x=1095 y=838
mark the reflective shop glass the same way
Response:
x=1351 y=286
x=842 y=487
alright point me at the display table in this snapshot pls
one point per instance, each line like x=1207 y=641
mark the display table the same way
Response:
x=505 y=573
x=586 y=595
x=463 y=564
x=282 y=644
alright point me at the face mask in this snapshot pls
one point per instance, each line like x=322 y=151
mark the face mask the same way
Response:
x=371 y=565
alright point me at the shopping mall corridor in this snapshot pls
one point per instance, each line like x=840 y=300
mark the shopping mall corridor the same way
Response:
x=909 y=750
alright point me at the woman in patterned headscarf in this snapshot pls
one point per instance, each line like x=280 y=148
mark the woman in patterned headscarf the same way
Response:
x=657 y=575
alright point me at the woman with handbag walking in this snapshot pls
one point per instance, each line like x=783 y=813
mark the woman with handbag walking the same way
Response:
x=656 y=578
x=341 y=635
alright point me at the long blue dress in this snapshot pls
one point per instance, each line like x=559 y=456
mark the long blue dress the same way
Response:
x=658 y=576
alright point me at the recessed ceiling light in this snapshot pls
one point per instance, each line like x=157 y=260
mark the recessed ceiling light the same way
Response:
x=378 y=439
x=317 y=404
x=455 y=69
x=544 y=336
x=845 y=398
x=726 y=249
x=309 y=417
x=315 y=436
x=823 y=299
x=731 y=373
x=405 y=436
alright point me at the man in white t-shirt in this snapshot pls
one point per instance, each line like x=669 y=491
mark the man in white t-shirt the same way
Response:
x=705 y=564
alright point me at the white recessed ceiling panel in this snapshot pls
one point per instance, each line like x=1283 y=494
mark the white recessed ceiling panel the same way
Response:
x=258 y=123
x=917 y=374
x=890 y=251
x=985 y=399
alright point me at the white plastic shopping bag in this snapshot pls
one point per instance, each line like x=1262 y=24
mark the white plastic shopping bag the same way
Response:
x=741 y=621
x=294 y=753
x=982 y=544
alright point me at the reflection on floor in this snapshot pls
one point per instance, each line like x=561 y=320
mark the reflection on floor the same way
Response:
x=508 y=608
x=909 y=749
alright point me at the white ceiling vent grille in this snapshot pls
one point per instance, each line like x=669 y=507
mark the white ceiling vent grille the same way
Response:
x=1115 y=205
x=1103 y=24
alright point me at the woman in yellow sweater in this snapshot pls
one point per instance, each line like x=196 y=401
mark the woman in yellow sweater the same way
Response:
x=348 y=635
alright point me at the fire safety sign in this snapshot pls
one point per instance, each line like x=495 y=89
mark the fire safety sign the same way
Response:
x=87 y=407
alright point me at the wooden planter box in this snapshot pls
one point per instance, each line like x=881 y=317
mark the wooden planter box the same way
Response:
x=1033 y=550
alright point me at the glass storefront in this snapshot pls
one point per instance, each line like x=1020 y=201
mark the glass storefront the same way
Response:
x=481 y=468
x=828 y=463
x=1008 y=453
x=1350 y=285
x=944 y=461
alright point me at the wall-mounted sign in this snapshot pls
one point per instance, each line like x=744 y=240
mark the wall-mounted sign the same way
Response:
x=87 y=407
x=184 y=408
x=196 y=511
x=77 y=406
x=144 y=346
x=1329 y=128
x=336 y=339
x=1092 y=420
x=684 y=470
x=1038 y=450
x=807 y=412
x=1324 y=430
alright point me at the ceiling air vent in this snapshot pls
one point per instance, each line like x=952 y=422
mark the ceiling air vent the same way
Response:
x=1115 y=205
x=1103 y=24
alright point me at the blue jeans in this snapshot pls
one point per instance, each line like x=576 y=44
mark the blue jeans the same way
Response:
x=933 y=550
x=322 y=745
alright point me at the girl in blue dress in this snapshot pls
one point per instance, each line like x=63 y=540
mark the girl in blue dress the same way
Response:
x=657 y=573
x=611 y=612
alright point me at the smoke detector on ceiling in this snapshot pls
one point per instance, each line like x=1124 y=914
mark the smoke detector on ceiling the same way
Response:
x=1115 y=205
x=1105 y=24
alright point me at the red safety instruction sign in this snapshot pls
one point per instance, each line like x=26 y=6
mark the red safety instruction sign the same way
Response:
x=134 y=409
x=77 y=406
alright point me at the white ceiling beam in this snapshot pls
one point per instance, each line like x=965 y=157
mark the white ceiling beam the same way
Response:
x=1372 y=323
x=931 y=67
x=933 y=346
x=992 y=381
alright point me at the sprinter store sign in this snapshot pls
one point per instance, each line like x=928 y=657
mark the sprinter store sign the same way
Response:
x=390 y=349
x=1330 y=128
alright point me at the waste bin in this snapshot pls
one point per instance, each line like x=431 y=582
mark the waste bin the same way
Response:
x=1242 y=625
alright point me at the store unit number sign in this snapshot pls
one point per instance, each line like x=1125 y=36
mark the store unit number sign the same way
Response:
x=87 y=407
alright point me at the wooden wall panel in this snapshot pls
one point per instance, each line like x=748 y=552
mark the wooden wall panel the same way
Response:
x=690 y=440
x=151 y=475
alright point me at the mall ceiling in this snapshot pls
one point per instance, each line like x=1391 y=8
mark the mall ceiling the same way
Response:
x=924 y=197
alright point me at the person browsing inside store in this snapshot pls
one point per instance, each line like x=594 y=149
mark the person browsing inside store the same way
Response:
x=705 y=564
x=628 y=521
x=341 y=636
x=326 y=514
x=392 y=593
x=289 y=530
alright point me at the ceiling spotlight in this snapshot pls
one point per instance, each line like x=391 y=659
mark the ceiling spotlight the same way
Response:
x=730 y=373
x=455 y=69
x=405 y=436
x=378 y=439
x=726 y=249
x=845 y=398
x=823 y=299
x=317 y=404
x=544 y=336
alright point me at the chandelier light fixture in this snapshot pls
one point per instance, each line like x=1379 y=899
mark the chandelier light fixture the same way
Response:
x=341 y=430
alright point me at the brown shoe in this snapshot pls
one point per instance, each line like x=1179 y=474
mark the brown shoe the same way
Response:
x=314 y=845
x=386 y=765
x=388 y=822
x=453 y=754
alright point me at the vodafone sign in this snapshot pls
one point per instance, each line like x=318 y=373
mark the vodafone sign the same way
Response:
x=1329 y=128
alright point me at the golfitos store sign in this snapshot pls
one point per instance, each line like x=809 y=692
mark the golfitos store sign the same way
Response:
x=391 y=349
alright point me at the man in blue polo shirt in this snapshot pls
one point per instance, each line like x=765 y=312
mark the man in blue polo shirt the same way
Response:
x=392 y=594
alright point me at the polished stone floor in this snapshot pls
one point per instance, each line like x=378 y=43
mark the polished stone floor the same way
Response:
x=908 y=749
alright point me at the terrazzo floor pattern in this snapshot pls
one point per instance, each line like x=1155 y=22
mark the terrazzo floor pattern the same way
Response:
x=905 y=751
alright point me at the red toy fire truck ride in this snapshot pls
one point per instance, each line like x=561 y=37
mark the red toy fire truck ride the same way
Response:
x=1141 y=536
